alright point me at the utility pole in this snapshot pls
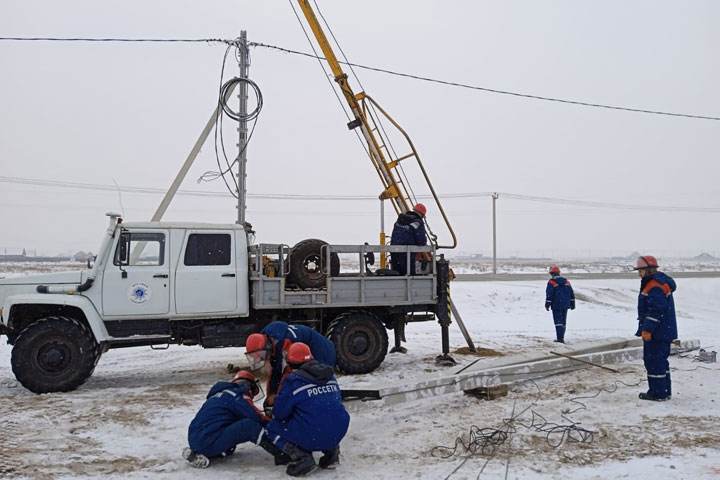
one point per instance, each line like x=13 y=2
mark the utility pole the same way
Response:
x=242 y=129
x=494 y=197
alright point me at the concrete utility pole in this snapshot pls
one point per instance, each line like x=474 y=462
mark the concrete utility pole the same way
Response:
x=494 y=197
x=242 y=129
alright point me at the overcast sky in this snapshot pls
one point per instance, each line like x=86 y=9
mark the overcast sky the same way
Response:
x=128 y=114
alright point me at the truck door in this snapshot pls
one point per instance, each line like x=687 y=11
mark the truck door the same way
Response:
x=206 y=277
x=137 y=280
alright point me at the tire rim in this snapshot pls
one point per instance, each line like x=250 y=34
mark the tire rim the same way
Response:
x=311 y=267
x=359 y=343
x=54 y=357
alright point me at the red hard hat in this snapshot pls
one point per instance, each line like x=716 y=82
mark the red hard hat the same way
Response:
x=646 y=261
x=420 y=208
x=256 y=350
x=555 y=269
x=245 y=375
x=299 y=353
x=256 y=341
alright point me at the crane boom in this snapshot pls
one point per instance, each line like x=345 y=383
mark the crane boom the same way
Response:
x=385 y=161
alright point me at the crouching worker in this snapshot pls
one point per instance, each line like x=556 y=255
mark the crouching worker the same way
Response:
x=227 y=418
x=270 y=347
x=308 y=414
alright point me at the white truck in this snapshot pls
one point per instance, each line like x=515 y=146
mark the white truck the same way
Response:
x=161 y=283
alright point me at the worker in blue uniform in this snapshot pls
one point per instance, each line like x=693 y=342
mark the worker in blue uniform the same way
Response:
x=409 y=229
x=270 y=346
x=227 y=418
x=657 y=326
x=559 y=296
x=308 y=414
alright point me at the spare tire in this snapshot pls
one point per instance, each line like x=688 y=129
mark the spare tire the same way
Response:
x=307 y=264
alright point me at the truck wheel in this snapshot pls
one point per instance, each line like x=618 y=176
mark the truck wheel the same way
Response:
x=360 y=341
x=307 y=264
x=54 y=354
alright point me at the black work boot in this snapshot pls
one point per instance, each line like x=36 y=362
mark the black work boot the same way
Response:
x=330 y=458
x=647 y=396
x=301 y=461
x=267 y=445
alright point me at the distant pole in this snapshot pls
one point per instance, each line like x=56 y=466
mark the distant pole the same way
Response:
x=242 y=129
x=494 y=197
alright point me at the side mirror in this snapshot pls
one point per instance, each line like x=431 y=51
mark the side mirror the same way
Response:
x=123 y=250
x=91 y=261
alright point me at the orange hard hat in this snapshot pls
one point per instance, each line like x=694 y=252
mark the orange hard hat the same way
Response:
x=555 y=269
x=256 y=349
x=244 y=375
x=420 y=208
x=299 y=353
x=646 y=261
x=256 y=341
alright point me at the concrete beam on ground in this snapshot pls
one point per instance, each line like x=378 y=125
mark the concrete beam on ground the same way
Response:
x=535 y=367
x=531 y=277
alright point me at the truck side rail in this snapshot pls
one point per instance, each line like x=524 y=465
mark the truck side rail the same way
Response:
x=356 y=286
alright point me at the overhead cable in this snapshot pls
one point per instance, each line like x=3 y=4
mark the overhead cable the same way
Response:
x=491 y=90
x=310 y=197
x=366 y=67
x=128 y=40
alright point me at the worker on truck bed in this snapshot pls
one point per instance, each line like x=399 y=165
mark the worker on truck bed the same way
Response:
x=270 y=347
x=308 y=414
x=227 y=418
x=657 y=326
x=409 y=229
x=559 y=296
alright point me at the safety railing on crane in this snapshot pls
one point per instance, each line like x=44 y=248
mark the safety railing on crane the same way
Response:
x=368 y=116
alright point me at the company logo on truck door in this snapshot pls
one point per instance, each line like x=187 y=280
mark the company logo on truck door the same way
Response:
x=139 y=293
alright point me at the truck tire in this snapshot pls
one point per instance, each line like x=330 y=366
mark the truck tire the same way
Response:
x=360 y=340
x=54 y=354
x=307 y=264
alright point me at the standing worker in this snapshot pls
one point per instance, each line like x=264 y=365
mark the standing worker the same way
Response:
x=308 y=414
x=559 y=296
x=656 y=325
x=409 y=229
x=270 y=347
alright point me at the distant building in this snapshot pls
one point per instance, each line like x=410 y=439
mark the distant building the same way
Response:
x=705 y=256
x=632 y=257
x=82 y=256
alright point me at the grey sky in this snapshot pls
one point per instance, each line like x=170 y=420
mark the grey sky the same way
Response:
x=101 y=113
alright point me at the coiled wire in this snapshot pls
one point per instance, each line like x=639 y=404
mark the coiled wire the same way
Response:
x=229 y=111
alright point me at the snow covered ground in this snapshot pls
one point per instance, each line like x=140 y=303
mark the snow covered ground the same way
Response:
x=129 y=420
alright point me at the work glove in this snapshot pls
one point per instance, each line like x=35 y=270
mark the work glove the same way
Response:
x=572 y=304
x=646 y=336
x=638 y=333
x=268 y=404
x=547 y=306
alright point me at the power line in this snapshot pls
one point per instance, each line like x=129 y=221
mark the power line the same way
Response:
x=490 y=90
x=127 y=40
x=306 y=197
x=366 y=67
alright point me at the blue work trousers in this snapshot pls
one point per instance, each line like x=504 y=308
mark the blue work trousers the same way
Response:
x=560 y=319
x=655 y=356
x=242 y=431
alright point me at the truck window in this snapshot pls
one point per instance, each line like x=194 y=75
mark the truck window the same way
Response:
x=140 y=249
x=208 y=249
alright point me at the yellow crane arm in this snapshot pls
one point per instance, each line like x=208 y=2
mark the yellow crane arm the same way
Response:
x=382 y=157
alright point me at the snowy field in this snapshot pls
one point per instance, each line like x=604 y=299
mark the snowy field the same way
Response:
x=129 y=420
